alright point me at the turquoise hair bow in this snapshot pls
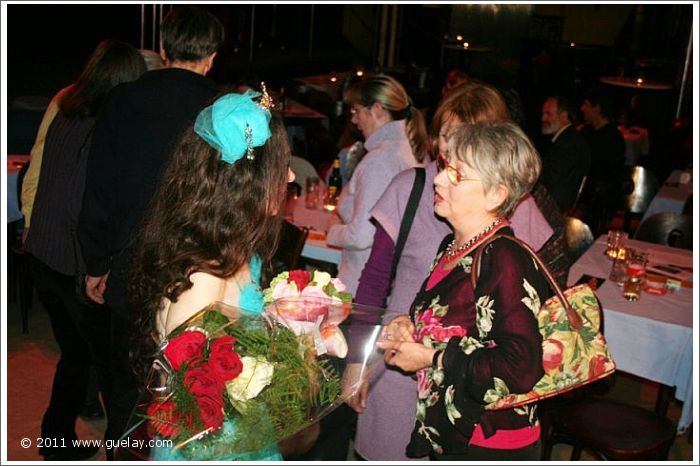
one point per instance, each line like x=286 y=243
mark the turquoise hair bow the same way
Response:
x=234 y=125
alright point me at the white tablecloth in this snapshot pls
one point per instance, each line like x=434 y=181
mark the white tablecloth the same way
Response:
x=671 y=197
x=319 y=221
x=13 y=165
x=653 y=337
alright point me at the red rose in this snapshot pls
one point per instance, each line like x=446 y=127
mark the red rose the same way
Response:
x=300 y=277
x=164 y=418
x=188 y=347
x=553 y=354
x=211 y=411
x=204 y=381
x=224 y=343
x=224 y=360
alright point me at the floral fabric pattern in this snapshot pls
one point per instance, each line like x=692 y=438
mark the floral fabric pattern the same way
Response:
x=569 y=357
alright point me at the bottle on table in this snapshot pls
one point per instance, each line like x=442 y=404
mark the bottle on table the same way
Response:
x=335 y=184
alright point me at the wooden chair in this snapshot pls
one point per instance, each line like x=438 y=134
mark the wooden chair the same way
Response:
x=607 y=428
x=667 y=228
x=688 y=206
x=291 y=243
x=610 y=430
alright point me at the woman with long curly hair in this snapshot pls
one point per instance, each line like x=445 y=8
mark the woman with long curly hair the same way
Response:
x=213 y=223
x=53 y=194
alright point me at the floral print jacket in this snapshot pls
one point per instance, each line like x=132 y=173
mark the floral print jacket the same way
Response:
x=492 y=346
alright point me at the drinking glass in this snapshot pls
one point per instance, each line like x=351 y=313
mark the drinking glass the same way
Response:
x=616 y=243
x=618 y=272
x=636 y=273
x=313 y=187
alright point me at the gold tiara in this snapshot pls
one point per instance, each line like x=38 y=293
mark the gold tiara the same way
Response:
x=265 y=100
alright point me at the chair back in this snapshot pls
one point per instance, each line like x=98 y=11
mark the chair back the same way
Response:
x=667 y=228
x=292 y=239
x=688 y=206
x=638 y=189
x=578 y=237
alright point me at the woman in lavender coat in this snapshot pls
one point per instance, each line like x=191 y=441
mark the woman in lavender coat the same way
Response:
x=395 y=139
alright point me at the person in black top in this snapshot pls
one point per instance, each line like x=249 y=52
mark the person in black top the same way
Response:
x=607 y=152
x=55 y=260
x=569 y=158
x=132 y=140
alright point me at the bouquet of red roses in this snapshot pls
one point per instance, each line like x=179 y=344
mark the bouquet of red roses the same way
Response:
x=228 y=385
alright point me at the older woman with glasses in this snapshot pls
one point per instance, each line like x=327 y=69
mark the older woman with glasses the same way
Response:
x=466 y=341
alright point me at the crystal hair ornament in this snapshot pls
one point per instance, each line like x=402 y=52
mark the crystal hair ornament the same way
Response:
x=266 y=100
x=235 y=124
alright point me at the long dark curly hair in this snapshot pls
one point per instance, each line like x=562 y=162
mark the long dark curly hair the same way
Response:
x=207 y=216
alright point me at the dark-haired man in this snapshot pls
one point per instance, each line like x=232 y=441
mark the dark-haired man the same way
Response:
x=568 y=159
x=131 y=144
x=607 y=149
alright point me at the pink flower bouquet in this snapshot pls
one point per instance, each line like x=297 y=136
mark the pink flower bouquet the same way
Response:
x=312 y=305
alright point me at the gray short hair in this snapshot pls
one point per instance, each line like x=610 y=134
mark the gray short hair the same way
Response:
x=502 y=155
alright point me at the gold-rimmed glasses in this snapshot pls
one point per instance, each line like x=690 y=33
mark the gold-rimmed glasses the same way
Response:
x=453 y=174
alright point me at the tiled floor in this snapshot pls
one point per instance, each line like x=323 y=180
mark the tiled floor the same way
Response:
x=31 y=362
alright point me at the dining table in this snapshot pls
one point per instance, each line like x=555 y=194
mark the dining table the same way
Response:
x=672 y=195
x=650 y=338
x=636 y=83
x=318 y=221
x=14 y=164
x=330 y=83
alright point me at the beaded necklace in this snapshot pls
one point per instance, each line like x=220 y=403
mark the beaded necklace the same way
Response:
x=451 y=252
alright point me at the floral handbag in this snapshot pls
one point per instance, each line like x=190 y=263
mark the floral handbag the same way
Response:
x=574 y=351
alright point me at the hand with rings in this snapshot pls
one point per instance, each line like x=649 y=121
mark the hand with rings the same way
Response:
x=399 y=329
x=408 y=356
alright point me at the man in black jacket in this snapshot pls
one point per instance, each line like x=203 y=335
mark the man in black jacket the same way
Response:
x=131 y=145
x=568 y=159
x=607 y=178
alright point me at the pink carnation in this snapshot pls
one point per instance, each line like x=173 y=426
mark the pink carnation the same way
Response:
x=339 y=286
x=285 y=290
x=313 y=291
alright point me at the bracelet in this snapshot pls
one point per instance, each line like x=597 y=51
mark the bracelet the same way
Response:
x=436 y=357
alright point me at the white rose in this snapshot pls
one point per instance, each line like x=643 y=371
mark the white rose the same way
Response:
x=256 y=375
x=321 y=278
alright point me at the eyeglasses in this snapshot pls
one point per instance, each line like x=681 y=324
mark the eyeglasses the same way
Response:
x=356 y=110
x=453 y=174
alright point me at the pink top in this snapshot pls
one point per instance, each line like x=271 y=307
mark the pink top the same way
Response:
x=506 y=439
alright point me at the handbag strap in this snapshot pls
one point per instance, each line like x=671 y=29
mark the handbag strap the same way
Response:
x=406 y=222
x=575 y=320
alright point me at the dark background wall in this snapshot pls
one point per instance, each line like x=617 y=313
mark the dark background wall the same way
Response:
x=523 y=47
